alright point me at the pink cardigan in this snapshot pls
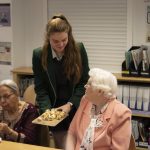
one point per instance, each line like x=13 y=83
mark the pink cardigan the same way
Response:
x=113 y=135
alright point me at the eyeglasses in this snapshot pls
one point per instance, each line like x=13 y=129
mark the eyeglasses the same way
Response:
x=6 y=97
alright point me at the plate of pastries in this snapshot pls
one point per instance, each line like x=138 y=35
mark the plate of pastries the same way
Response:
x=51 y=117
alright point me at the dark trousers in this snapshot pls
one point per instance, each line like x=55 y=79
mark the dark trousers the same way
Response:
x=60 y=131
x=59 y=139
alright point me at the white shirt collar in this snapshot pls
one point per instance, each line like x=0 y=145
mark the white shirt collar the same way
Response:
x=54 y=55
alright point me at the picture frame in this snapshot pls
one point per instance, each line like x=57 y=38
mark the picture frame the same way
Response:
x=5 y=19
x=5 y=53
x=148 y=17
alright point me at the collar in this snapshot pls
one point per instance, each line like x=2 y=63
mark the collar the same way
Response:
x=107 y=113
x=54 y=55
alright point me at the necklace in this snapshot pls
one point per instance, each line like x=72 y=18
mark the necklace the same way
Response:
x=11 y=119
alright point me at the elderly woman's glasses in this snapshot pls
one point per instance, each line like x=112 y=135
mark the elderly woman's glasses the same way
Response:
x=6 y=97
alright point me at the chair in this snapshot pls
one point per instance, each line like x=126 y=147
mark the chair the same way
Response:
x=30 y=95
x=132 y=143
x=43 y=131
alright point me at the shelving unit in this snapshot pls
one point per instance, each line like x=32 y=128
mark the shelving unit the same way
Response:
x=131 y=79
x=137 y=81
x=24 y=77
x=22 y=72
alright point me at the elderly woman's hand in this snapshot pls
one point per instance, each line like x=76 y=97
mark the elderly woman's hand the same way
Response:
x=4 y=128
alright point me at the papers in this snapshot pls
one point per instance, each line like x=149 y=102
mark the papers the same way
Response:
x=137 y=57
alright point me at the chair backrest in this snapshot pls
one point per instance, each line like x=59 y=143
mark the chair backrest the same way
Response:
x=29 y=94
x=132 y=143
x=43 y=136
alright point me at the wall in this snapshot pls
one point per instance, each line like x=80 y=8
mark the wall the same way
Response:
x=18 y=32
x=29 y=18
x=5 y=36
x=139 y=20
x=35 y=22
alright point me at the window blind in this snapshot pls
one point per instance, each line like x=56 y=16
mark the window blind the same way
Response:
x=101 y=25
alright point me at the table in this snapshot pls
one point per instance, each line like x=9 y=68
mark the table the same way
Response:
x=7 y=145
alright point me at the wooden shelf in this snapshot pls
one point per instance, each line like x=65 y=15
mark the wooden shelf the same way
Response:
x=131 y=79
x=139 y=148
x=137 y=113
x=23 y=70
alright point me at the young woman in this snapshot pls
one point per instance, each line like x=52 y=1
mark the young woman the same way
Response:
x=61 y=70
x=101 y=121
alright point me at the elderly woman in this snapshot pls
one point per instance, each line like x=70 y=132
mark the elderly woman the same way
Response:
x=101 y=122
x=16 y=116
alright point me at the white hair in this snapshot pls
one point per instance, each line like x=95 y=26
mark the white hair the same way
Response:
x=10 y=84
x=103 y=80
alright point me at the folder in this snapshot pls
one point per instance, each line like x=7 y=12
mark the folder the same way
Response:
x=139 y=98
x=132 y=99
x=128 y=59
x=145 y=98
x=120 y=92
x=126 y=95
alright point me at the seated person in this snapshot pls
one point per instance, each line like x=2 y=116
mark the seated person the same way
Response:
x=101 y=121
x=16 y=116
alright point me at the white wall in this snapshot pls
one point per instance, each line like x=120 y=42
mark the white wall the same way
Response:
x=5 y=36
x=18 y=32
x=37 y=18
x=26 y=32
x=29 y=18
x=35 y=22
x=140 y=27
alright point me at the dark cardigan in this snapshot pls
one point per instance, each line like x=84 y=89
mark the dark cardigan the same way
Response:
x=24 y=125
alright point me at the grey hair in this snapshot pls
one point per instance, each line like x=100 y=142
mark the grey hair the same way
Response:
x=103 y=80
x=10 y=84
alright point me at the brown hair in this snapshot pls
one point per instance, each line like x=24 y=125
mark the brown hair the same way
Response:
x=72 y=58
